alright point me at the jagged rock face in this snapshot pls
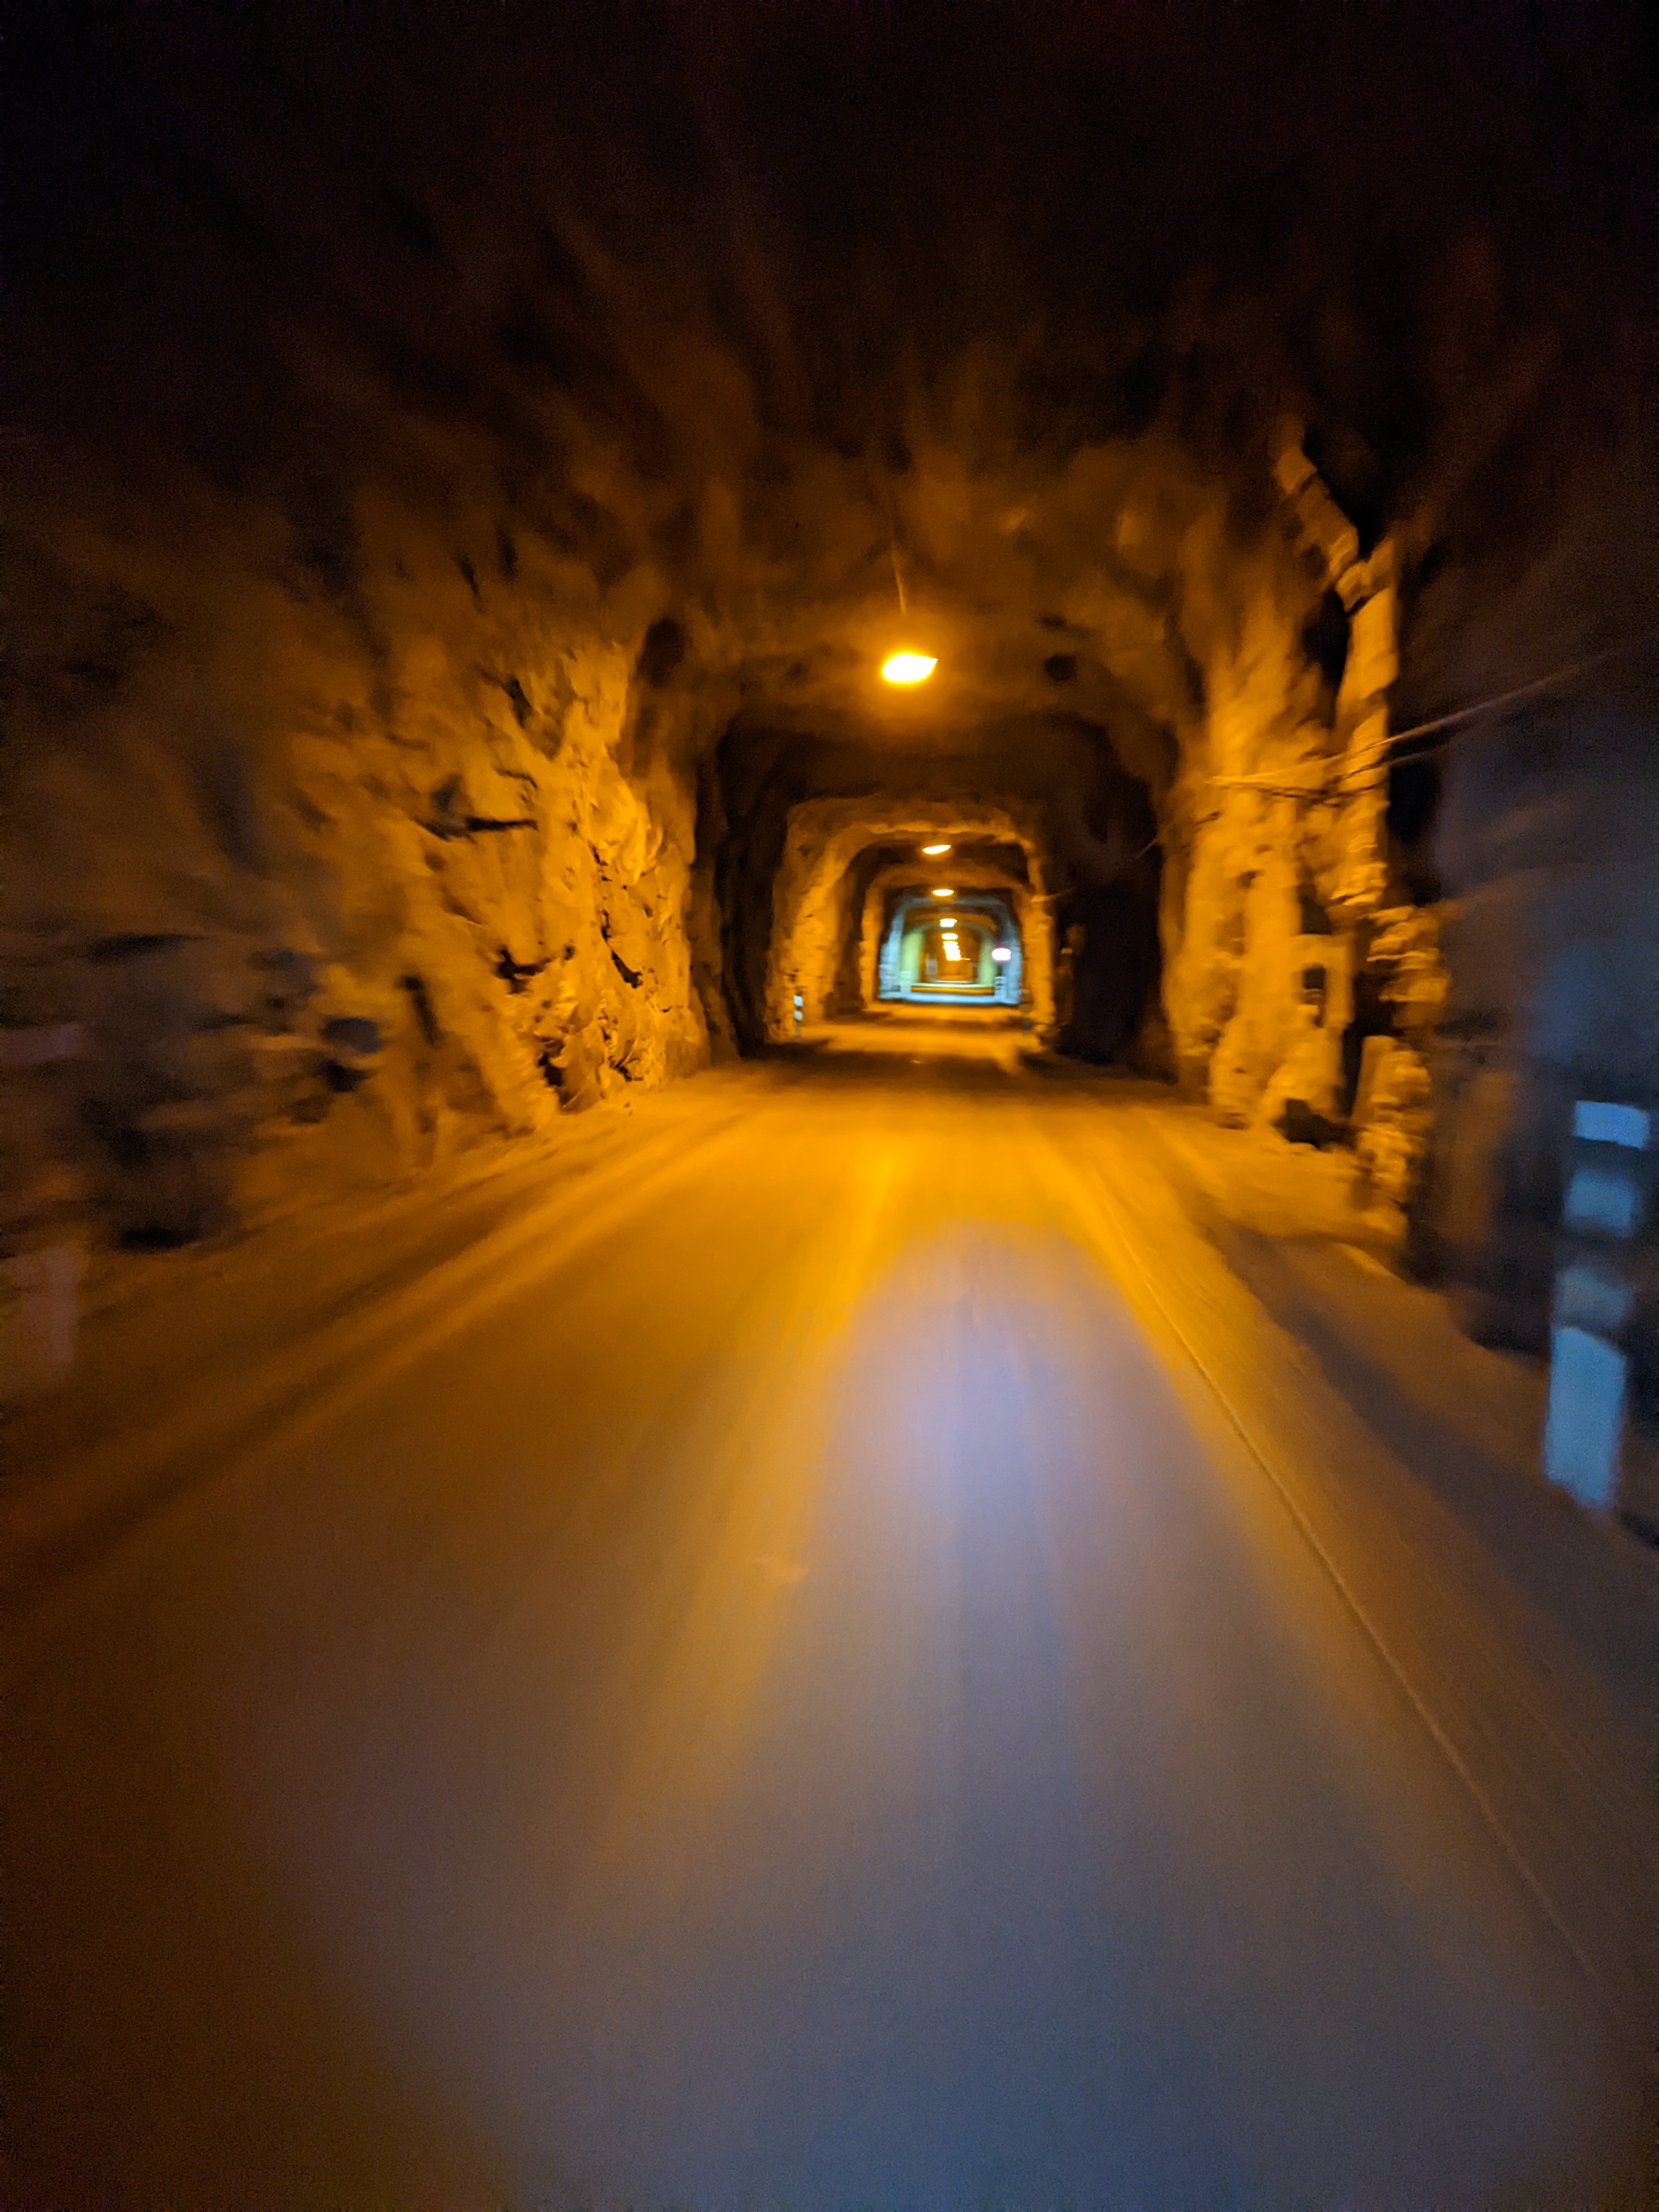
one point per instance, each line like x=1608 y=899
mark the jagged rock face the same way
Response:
x=454 y=534
x=422 y=853
x=1287 y=861
x=412 y=861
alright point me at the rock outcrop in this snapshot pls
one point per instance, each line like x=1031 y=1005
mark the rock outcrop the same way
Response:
x=342 y=869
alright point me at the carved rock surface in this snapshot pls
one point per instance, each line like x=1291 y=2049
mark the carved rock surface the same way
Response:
x=453 y=525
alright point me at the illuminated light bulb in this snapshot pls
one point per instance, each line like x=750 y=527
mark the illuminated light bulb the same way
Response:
x=933 y=852
x=1000 y=952
x=908 y=668
x=945 y=891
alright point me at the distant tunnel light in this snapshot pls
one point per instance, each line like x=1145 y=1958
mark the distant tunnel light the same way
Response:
x=1001 y=952
x=944 y=890
x=908 y=668
x=933 y=852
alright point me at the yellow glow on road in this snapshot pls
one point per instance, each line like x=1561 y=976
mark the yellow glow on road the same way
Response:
x=949 y=1388
x=908 y=668
x=933 y=852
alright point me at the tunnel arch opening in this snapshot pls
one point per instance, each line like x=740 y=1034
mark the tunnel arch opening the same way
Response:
x=812 y=824
x=963 y=952
x=847 y=862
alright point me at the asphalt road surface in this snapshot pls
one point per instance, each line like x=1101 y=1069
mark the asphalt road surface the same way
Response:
x=777 y=1680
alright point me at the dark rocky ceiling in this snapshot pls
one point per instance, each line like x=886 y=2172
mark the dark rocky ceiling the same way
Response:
x=743 y=305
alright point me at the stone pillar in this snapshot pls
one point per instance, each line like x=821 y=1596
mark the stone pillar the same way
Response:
x=1362 y=712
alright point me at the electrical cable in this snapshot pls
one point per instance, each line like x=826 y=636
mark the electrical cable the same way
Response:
x=1521 y=692
x=1351 y=778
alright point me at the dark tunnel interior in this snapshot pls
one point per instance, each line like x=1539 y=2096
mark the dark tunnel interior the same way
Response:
x=829 y=1092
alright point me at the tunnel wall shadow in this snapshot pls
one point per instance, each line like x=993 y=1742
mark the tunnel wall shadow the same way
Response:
x=1110 y=949
x=1116 y=969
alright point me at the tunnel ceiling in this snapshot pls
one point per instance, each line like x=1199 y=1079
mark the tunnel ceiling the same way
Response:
x=742 y=308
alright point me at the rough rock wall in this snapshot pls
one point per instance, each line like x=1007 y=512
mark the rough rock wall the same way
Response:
x=1297 y=992
x=1552 y=945
x=1541 y=560
x=336 y=848
x=1438 y=990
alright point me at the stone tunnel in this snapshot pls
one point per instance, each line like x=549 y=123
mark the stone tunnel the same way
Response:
x=467 y=473
x=502 y=708
x=505 y=727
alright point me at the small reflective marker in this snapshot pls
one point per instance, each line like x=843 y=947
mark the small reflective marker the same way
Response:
x=1604 y=1199
x=1584 y=1426
x=1597 y=1122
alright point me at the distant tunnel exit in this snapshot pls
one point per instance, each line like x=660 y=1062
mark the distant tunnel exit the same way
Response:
x=962 y=951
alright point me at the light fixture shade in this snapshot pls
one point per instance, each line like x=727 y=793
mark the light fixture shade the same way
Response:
x=907 y=668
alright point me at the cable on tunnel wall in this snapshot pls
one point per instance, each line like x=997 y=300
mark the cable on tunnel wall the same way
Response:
x=1352 y=778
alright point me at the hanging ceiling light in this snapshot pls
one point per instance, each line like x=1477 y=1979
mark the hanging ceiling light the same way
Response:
x=907 y=668
x=933 y=852
x=945 y=891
